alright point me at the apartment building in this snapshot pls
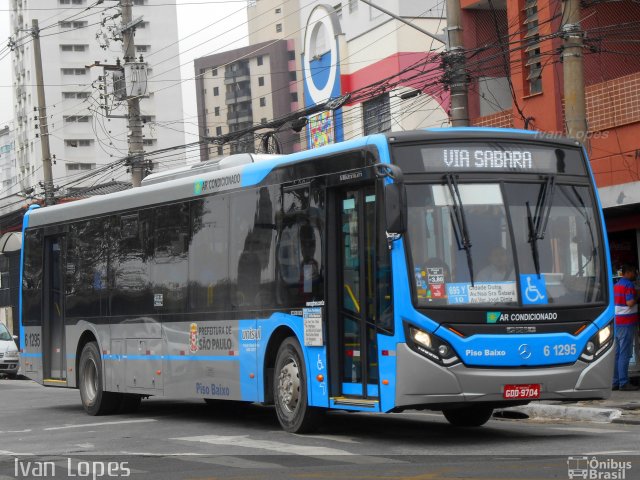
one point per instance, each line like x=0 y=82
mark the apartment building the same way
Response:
x=87 y=126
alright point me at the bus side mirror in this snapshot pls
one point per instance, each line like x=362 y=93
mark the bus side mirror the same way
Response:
x=395 y=208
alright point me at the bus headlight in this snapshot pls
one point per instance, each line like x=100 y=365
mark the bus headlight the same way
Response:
x=430 y=346
x=598 y=343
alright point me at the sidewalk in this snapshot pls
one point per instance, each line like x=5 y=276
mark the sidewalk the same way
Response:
x=621 y=407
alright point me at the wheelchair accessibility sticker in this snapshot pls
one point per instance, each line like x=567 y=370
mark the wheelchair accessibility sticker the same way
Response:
x=533 y=289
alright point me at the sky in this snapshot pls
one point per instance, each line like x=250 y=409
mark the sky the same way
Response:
x=197 y=28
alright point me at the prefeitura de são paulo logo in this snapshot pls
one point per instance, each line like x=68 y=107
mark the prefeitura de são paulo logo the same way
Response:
x=193 y=337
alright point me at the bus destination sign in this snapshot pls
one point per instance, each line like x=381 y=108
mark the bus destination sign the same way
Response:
x=489 y=157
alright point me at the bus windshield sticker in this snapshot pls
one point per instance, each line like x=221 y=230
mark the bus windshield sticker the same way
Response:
x=485 y=292
x=312 y=327
x=158 y=300
x=533 y=289
x=435 y=282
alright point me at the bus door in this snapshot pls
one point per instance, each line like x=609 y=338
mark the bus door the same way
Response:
x=54 y=356
x=355 y=237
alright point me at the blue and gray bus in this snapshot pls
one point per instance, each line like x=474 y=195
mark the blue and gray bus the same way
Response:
x=457 y=270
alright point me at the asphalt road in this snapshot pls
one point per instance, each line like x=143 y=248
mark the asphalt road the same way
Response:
x=174 y=439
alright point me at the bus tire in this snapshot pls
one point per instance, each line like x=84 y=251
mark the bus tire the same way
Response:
x=473 y=416
x=290 y=390
x=129 y=403
x=91 y=384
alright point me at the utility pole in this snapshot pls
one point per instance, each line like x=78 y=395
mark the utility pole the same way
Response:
x=454 y=59
x=455 y=65
x=136 y=150
x=575 y=111
x=42 y=117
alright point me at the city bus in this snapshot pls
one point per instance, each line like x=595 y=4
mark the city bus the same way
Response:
x=458 y=270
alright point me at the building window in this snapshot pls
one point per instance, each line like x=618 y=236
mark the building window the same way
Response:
x=216 y=111
x=293 y=76
x=278 y=27
x=204 y=91
x=79 y=95
x=80 y=166
x=218 y=130
x=74 y=71
x=149 y=142
x=278 y=10
x=263 y=102
x=376 y=115
x=338 y=9
x=294 y=96
x=78 y=143
x=353 y=6
x=214 y=72
x=139 y=2
x=216 y=91
x=263 y=120
x=291 y=54
x=220 y=150
x=77 y=118
x=261 y=81
x=143 y=25
x=143 y=48
x=74 y=48
x=532 y=47
x=74 y=25
x=70 y=2
x=147 y=118
x=259 y=59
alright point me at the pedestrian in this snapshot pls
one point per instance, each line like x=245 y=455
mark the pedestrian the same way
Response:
x=626 y=304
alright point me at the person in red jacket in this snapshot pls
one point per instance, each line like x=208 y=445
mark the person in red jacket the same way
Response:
x=626 y=304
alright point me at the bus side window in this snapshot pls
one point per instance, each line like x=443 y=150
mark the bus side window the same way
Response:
x=299 y=249
x=251 y=248
x=32 y=278
x=209 y=254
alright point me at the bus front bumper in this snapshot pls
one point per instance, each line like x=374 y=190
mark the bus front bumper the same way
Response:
x=421 y=382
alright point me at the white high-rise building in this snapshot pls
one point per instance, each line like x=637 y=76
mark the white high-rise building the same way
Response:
x=83 y=134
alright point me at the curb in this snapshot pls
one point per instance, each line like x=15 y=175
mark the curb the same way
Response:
x=580 y=414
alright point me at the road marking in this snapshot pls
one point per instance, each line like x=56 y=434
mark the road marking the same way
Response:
x=586 y=430
x=234 y=462
x=122 y=422
x=612 y=452
x=287 y=448
x=15 y=431
x=331 y=438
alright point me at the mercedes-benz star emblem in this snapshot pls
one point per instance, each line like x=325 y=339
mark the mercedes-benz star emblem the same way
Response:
x=524 y=351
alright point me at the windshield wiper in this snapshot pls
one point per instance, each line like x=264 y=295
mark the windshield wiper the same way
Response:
x=459 y=221
x=539 y=220
x=585 y=215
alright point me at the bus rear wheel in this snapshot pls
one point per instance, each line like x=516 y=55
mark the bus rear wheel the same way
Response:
x=91 y=383
x=290 y=390
x=474 y=416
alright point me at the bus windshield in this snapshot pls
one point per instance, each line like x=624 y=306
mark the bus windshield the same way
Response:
x=504 y=244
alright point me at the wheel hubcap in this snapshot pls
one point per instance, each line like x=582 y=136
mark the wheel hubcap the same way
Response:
x=289 y=386
x=90 y=381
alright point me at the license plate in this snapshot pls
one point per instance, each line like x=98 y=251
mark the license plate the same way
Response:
x=518 y=392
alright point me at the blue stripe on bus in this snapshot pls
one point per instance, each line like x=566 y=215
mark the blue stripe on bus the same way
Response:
x=30 y=355
x=193 y=358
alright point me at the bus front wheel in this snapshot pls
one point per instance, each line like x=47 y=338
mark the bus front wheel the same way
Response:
x=290 y=390
x=473 y=416
x=91 y=383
